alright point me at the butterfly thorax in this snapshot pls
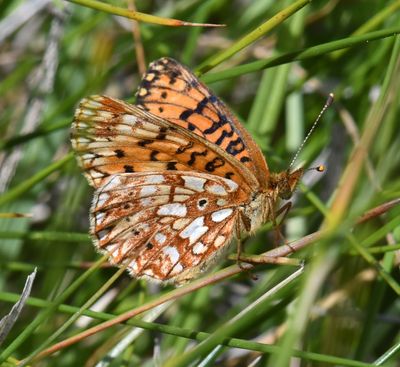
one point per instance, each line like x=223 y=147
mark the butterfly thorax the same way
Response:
x=258 y=211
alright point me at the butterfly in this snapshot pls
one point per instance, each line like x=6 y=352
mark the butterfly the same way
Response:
x=176 y=176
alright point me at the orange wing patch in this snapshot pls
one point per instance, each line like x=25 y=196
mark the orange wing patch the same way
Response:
x=172 y=92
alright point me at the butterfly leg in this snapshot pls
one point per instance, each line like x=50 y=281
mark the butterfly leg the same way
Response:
x=238 y=233
x=284 y=210
x=278 y=236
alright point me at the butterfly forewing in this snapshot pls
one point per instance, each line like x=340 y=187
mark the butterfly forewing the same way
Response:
x=165 y=226
x=112 y=137
x=173 y=92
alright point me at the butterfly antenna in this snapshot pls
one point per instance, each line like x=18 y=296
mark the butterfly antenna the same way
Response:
x=328 y=102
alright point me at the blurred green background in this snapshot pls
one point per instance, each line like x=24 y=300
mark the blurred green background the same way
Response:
x=346 y=303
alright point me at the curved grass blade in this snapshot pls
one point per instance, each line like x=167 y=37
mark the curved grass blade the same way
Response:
x=140 y=17
x=7 y=322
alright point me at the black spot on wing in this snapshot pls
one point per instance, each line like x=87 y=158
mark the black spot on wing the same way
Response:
x=235 y=147
x=143 y=143
x=213 y=99
x=161 y=136
x=202 y=202
x=222 y=120
x=186 y=114
x=199 y=109
x=215 y=163
x=201 y=105
x=119 y=153
x=193 y=156
x=153 y=155
x=173 y=75
x=171 y=166
x=146 y=84
x=128 y=168
x=224 y=134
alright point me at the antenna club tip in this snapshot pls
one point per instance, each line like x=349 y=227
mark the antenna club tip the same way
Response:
x=320 y=168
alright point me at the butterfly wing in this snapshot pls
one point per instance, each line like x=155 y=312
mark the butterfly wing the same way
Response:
x=167 y=226
x=173 y=92
x=112 y=137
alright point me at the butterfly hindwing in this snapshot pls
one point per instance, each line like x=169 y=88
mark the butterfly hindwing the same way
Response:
x=164 y=226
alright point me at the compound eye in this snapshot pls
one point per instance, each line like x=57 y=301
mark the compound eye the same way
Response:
x=285 y=191
x=285 y=195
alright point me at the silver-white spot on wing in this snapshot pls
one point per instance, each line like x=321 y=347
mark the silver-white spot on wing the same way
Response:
x=129 y=119
x=160 y=237
x=216 y=189
x=102 y=198
x=194 y=230
x=154 y=179
x=194 y=183
x=133 y=265
x=172 y=253
x=220 y=215
x=232 y=184
x=146 y=201
x=147 y=191
x=177 y=269
x=199 y=248
x=113 y=182
x=175 y=209
x=99 y=217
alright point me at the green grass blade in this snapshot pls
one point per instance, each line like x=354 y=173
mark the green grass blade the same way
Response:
x=251 y=37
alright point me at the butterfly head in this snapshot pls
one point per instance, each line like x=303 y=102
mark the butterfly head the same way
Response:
x=284 y=183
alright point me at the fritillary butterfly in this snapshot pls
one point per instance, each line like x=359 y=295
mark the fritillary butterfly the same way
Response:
x=176 y=175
